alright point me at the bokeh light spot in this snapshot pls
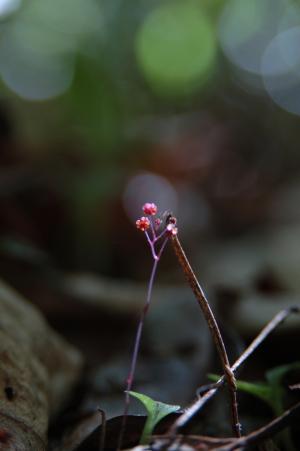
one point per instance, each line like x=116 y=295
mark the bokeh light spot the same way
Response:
x=8 y=7
x=176 y=47
x=37 y=50
x=148 y=187
x=290 y=17
x=246 y=28
x=280 y=70
x=30 y=75
x=58 y=26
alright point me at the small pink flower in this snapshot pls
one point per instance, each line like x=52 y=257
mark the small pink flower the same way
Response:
x=150 y=209
x=172 y=220
x=157 y=222
x=143 y=224
x=171 y=230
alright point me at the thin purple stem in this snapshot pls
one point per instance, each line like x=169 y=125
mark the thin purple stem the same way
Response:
x=153 y=229
x=162 y=247
x=137 y=342
x=140 y=328
x=159 y=236
x=151 y=244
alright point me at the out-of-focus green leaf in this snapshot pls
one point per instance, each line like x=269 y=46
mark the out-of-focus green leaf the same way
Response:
x=259 y=389
x=275 y=375
x=271 y=391
x=274 y=378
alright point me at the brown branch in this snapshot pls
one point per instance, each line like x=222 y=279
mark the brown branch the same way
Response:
x=214 y=329
x=231 y=443
x=199 y=403
x=266 y=431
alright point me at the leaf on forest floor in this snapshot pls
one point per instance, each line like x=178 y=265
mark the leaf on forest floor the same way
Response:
x=38 y=370
x=156 y=412
x=78 y=433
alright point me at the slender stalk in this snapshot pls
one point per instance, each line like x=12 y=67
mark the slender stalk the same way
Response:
x=265 y=332
x=214 y=329
x=136 y=348
x=151 y=244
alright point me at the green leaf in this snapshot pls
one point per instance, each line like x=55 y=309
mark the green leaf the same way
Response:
x=156 y=411
x=274 y=378
x=259 y=389
x=271 y=391
x=275 y=375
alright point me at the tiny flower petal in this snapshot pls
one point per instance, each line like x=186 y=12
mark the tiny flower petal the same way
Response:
x=157 y=222
x=171 y=230
x=172 y=220
x=143 y=224
x=149 y=208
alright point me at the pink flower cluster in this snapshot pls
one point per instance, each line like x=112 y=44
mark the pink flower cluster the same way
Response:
x=149 y=222
x=143 y=224
x=150 y=209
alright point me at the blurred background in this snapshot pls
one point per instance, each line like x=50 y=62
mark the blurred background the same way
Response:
x=194 y=105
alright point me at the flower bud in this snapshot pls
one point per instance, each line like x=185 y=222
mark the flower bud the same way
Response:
x=157 y=222
x=171 y=230
x=150 y=209
x=142 y=224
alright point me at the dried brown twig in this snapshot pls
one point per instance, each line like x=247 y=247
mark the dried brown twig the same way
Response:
x=199 y=403
x=266 y=431
x=232 y=443
x=214 y=329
